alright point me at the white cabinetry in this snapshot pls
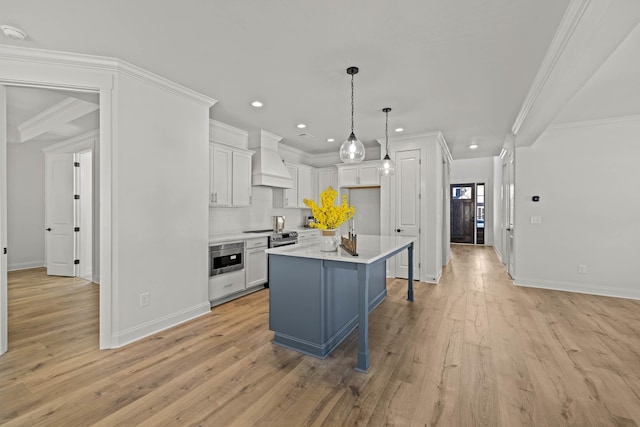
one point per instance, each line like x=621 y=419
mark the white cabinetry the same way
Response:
x=302 y=188
x=230 y=176
x=255 y=262
x=220 y=287
x=364 y=174
x=326 y=177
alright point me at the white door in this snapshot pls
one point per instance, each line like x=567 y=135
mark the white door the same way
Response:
x=59 y=217
x=4 y=317
x=408 y=208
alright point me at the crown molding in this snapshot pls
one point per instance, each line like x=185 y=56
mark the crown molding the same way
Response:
x=101 y=63
x=568 y=25
x=63 y=112
x=595 y=122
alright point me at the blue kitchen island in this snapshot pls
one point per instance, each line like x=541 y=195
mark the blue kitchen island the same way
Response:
x=316 y=299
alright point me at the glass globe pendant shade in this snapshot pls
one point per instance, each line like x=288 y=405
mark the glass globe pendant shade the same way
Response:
x=352 y=150
x=387 y=167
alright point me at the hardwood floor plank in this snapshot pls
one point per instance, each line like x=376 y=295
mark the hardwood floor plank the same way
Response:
x=472 y=350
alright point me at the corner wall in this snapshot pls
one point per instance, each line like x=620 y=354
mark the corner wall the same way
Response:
x=160 y=208
x=587 y=180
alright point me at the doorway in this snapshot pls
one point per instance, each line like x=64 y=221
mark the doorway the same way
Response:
x=71 y=195
x=462 y=213
x=43 y=125
x=467 y=213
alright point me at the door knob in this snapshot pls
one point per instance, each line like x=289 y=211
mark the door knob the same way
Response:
x=48 y=229
x=398 y=230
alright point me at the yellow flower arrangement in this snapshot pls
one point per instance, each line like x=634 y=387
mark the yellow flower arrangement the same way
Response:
x=327 y=216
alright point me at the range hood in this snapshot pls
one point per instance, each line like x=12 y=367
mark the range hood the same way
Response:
x=267 y=168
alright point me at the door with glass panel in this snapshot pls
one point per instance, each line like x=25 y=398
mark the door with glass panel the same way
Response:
x=462 y=213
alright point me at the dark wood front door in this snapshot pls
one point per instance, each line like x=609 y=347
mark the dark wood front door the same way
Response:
x=462 y=213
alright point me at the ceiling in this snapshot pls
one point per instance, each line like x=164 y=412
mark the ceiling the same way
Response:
x=25 y=104
x=462 y=67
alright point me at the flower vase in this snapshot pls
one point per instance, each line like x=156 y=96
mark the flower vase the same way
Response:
x=329 y=240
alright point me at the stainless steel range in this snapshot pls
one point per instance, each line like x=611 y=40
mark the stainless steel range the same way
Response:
x=280 y=238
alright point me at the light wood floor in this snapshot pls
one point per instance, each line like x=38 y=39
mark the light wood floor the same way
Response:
x=473 y=350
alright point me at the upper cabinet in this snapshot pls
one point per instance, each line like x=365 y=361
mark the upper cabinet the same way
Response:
x=364 y=174
x=326 y=177
x=302 y=188
x=229 y=166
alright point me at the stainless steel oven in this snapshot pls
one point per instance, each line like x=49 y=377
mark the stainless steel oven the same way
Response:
x=283 y=238
x=226 y=257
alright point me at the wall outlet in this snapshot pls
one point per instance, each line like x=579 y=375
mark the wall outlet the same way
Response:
x=144 y=299
x=536 y=220
x=582 y=269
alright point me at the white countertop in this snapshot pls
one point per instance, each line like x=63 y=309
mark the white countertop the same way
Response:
x=370 y=249
x=239 y=236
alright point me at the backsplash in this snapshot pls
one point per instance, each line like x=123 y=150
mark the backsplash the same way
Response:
x=255 y=217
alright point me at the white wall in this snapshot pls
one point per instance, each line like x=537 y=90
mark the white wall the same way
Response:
x=160 y=208
x=587 y=179
x=25 y=200
x=478 y=171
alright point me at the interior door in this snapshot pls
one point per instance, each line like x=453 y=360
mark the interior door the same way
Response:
x=462 y=213
x=408 y=208
x=59 y=217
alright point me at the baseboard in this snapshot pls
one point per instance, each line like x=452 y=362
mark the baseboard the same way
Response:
x=25 y=265
x=153 y=327
x=498 y=253
x=578 y=288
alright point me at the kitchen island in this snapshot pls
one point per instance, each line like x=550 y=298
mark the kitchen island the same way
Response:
x=316 y=299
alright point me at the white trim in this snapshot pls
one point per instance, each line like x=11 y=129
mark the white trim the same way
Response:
x=568 y=25
x=56 y=58
x=595 y=122
x=79 y=142
x=580 y=288
x=223 y=133
x=25 y=265
x=497 y=251
x=157 y=325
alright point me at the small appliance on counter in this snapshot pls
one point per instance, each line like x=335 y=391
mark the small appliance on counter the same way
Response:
x=278 y=224
x=308 y=220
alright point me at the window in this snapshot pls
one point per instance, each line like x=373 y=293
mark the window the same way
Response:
x=461 y=193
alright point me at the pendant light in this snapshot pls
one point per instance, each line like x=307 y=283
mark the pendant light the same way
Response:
x=352 y=150
x=387 y=167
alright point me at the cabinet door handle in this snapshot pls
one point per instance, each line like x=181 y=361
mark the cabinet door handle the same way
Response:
x=398 y=230
x=215 y=197
x=48 y=229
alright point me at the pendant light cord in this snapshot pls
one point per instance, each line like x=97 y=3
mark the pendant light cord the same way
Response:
x=386 y=131
x=352 y=103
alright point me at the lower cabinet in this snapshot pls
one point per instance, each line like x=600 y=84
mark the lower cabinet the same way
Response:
x=224 y=285
x=228 y=286
x=256 y=266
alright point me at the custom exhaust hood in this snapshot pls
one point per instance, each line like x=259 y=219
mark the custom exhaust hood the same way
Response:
x=267 y=168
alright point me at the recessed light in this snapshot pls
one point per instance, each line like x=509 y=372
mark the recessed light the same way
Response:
x=13 y=32
x=301 y=126
x=473 y=146
x=399 y=130
x=256 y=104
x=330 y=140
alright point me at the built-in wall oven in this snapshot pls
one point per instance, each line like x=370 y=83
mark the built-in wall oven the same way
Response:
x=226 y=257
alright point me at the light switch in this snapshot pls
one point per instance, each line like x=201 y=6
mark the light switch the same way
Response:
x=536 y=220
